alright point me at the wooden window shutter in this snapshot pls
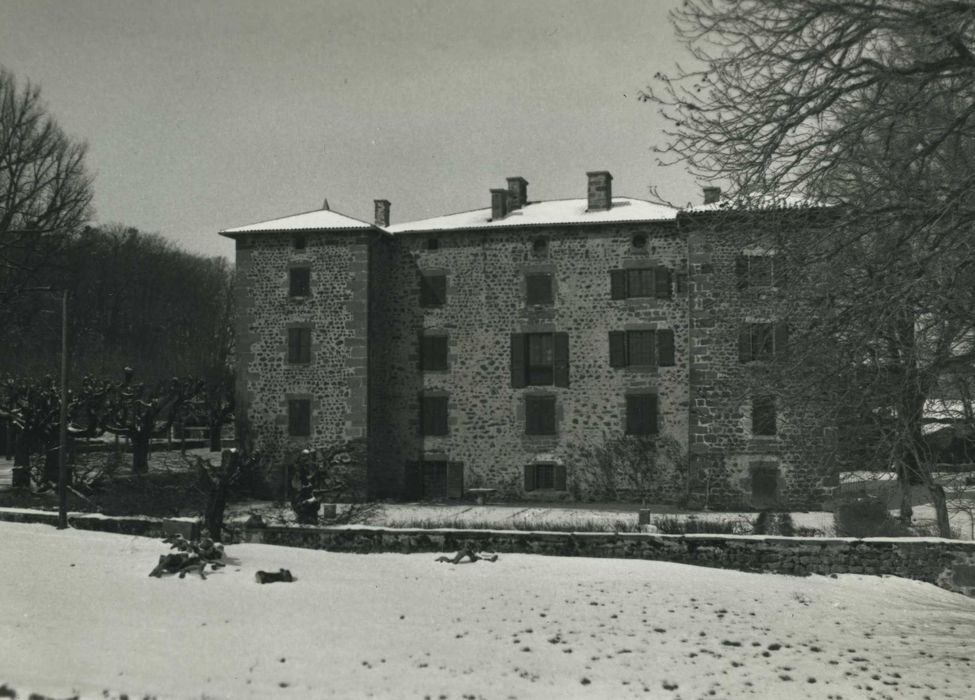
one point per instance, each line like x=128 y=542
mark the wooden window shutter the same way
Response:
x=294 y=345
x=530 y=477
x=617 y=284
x=560 y=483
x=781 y=339
x=617 y=349
x=652 y=412
x=661 y=283
x=745 y=343
x=518 y=368
x=455 y=479
x=305 y=349
x=741 y=271
x=561 y=359
x=641 y=414
x=665 y=347
x=412 y=481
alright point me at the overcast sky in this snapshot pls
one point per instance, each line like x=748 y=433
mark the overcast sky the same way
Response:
x=206 y=115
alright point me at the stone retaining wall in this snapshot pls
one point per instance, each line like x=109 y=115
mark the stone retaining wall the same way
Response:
x=945 y=563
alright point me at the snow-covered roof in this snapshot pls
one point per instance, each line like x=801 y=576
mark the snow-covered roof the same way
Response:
x=760 y=203
x=319 y=220
x=559 y=211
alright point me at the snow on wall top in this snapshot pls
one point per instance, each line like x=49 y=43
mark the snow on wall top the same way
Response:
x=559 y=211
x=761 y=203
x=321 y=219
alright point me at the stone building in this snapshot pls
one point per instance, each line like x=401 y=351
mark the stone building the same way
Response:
x=483 y=349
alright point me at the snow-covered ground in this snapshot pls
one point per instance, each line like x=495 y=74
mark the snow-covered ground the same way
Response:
x=78 y=613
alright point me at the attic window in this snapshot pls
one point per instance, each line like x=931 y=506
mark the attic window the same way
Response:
x=433 y=244
x=540 y=246
x=640 y=241
x=300 y=242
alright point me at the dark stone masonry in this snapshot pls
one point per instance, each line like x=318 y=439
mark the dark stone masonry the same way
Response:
x=482 y=349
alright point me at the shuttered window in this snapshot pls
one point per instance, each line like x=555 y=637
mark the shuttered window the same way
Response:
x=433 y=415
x=538 y=289
x=549 y=477
x=299 y=417
x=433 y=290
x=641 y=414
x=299 y=346
x=433 y=352
x=641 y=348
x=756 y=271
x=640 y=282
x=540 y=415
x=763 y=341
x=539 y=359
x=764 y=416
x=299 y=282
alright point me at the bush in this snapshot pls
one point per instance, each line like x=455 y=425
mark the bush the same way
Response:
x=770 y=523
x=683 y=526
x=865 y=516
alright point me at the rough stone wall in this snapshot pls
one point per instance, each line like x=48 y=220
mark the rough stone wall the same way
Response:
x=947 y=564
x=485 y=305
x=336 y=379
x=722 y=386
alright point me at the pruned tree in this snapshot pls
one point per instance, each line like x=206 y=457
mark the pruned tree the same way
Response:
x=865 y=108
x=45 y=190
x=647 y=466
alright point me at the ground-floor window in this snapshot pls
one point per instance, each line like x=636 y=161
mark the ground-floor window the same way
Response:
x=765 y=483
x=545 y=477
x=434 y=479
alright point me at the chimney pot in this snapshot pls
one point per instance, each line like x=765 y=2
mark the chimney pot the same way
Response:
x=517 y=193
x=712 y=194
x=600 y=190
x=382 y=212
x=499 y=204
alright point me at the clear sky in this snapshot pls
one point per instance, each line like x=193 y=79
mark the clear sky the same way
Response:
x=206 y=115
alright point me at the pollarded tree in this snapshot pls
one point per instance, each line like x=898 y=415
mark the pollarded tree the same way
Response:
x=868 y=107
x=45 y=191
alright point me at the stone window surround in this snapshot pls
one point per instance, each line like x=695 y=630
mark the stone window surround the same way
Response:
x=313 y=346
x=624 y=409
x=538 y=269
x=433 y=393
x=448 y=286
x=437 y=332
x=282 y=418
x=300 y=264
x=649 y=259
x=521 y=414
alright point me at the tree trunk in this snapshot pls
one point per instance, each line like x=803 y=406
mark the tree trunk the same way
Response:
x=215 y=430
x=21 y=451
x=940 y=509
x=140 y=454
x=216 y=504
x=51 y=470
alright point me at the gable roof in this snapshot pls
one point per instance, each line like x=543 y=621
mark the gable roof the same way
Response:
x=318 y=220
x=552 y=212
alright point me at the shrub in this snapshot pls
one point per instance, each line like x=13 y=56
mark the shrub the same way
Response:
x=670 y=525
x=865 y=516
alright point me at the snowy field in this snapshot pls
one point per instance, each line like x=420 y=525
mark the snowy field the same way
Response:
x=78 y=614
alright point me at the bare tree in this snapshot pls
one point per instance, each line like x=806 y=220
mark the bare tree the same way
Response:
x=869 y=108
x=45 y=191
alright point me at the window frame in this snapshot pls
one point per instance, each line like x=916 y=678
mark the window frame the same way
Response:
x=299 y=281
x=433 y=290
x=293 y=416
x=426 y=356
x=767 y=425
x=434 y=415
x=546 y=423
x=547 y=296
x=653 y=412
x=539 y=374
x=299 y=352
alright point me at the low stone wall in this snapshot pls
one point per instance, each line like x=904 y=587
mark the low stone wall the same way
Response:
x=949 y=564
x=945 y=563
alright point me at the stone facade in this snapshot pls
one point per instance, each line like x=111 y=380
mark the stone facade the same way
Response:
x=368 y=323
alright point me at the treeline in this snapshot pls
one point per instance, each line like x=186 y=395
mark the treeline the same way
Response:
x=134 y=300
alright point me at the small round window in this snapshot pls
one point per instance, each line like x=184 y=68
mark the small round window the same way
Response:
x=539 y=246
x=640 y=241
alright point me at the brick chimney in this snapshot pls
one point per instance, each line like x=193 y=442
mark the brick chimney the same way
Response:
x=712 y=195
x=517 y=193
x=382 y=212
x=600 y=190
x=499 y=204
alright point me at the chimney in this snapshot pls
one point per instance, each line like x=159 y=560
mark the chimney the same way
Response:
x=712 y=195
x=499 y=204
x=517 y=193
x=600 y=190
x=325 y=205
x=382 y=212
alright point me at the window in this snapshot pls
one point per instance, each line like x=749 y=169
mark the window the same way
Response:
x=641 y=348
x=640 y=241
x=433 y=415
x=300 y=242
x=641 y=414
x=538 y=289
x=765 y=483
x=763 y=341
x=299 y=281
x=640 y=282
x=433 y=244
x=763 y=415
x=433 y=290
x=299 y=346
x=540 y=246
x=540 y=359
x=755 y=271
x=434 y=479
x=540 y=415
x=547 y=477
x=299 y=417
x=433 y=353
